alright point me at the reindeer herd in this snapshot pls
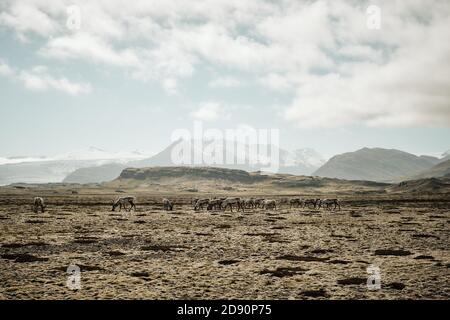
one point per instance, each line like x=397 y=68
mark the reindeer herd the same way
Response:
x=255 y=203
x=129 y=203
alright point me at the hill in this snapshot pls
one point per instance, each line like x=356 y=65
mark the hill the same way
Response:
x=213 y=179
x=423 y=186
x=189 y=173
x=40 y=171
x=374 y=164
x=442 y=169
x=98 y=174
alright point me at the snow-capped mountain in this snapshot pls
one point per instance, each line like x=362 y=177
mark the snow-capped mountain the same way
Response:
x=249 y=157
x=13 y=160
x=56 y=168
x=91 y=153
x=307 y=157
x=94 y=153
x=97 y=165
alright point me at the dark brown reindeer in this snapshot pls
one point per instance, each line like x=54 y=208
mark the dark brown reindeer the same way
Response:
x=167 y=204
x=38 y=203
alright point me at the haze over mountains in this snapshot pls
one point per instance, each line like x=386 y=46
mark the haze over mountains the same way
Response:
x=95 y=165
x=376 y=164
x=56 y=168
x=299 y=162
x=442 y=169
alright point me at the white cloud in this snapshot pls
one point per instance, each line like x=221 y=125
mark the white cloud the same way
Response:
x=25 y=16
x=225 y=82
x=5 y=69
x=39 y=79
x=320 y=52
x=210 y=111
x=275 y=82
x=86 y=46
x=409 y=88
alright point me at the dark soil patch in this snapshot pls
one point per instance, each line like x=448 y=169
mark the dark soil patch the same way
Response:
x=84 y=241
x=35 y=221
x=284 y=271
x=21 y=245
x=115 y=253
x=22 y=257
x=82 y=268
x=228 y=262
x=352 y=281
x=321 y=251
x=390 y=252
x=223 y=226
x=302 y=258
x=140 y=274
x=350 y=238
x=395 y=286
x=424 y=235
x=314 y=293
x=337 y=261
x=205 y=234
x=424 y=257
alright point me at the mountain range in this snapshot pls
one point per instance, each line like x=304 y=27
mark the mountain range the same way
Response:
x=57 y=168
x=298 y=162
x=95 y=165
x=376 y=164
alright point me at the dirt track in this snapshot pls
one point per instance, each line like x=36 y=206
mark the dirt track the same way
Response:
x=283 y=254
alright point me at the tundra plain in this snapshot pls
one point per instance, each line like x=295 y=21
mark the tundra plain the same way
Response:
x=288 y=253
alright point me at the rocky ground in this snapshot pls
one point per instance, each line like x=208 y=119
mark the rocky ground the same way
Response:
x=259 y=254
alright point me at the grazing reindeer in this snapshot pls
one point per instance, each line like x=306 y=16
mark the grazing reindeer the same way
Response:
x=309 y=202
x=249 y=203
x=258 y=202
x=328 y=203
x=200 y=203
x=295 y=202
x=167 y=204
x=214 y=204
x=229 y=202
x=194 y=201
x=269 y=204
x=242 y=203
x=38 y=202
x=283 y=201
x=121 y=202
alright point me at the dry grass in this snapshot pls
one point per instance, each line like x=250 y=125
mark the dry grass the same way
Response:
x=283 y=254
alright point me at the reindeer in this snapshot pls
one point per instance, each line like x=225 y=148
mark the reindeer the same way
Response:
x=295 y=202
x=38 y=203
x=249 y=203
x=258 y=202
x=194 y=201
x=309 y=202
x=200 y=203
x=330 y=202
x=214 y=204
x=167 y=204
x=269 y=204
x=121 y=202
x=229 y=202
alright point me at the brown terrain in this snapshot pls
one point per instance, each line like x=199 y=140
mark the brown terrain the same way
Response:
x=298 y=253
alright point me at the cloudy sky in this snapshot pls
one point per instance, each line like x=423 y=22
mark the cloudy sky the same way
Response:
x=132 y=72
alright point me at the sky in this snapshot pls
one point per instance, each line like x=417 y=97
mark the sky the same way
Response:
x=119 y=75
